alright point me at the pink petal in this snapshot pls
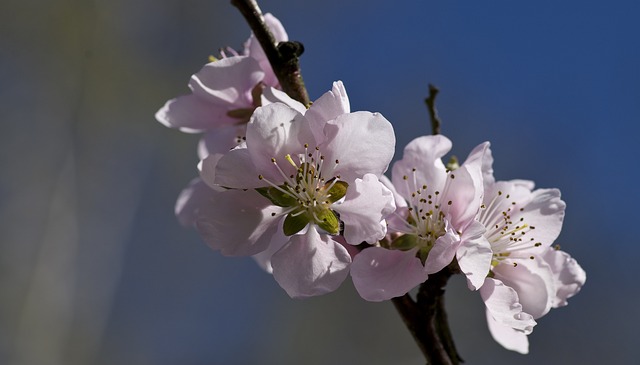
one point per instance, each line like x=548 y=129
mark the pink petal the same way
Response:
x=362 y=142
x=396 y=221
x=365 y=206
x=442 y=252
x=255 y=50
x=221 y=140
x=272 y=95
x=193 y=114
x=190 y=200
x=263 y=259
x=310 y=264
x=532 y=280
x=503 y=306
x=464 y=190
x=328 y=107
x=228 y=81
x=238 y=223
x=422 y=154
x=274 y=131
x=380 y=274
x=474 y=255
x=568 y=276
x=506 y=336
x=234 y=170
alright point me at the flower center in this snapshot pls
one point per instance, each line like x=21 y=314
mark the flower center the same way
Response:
x=306 y=193
x=507 y=230
x=426 y=221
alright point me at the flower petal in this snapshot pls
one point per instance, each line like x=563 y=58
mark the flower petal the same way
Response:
x=190 y=200
x=256 y=52
x=233 y=170
x=380 y=274
x=569 y=277
x=328 y=107
x=506 y=336
x=238 y=223
x=503 y=305
x=221 y=140
x=228 y=81
x=193 y=114
x=422 y=154
x=532 y=280
x=274 y=131
x=474 y=255
x=443 y=252
x=310 y=264
x=362 y=142
x=462 y=195
x=396 y=221
x=365 y=206
x=263 y=259
x=272 y=95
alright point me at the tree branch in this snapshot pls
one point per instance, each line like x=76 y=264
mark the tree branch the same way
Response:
x=426 y=319
x=283 y=57
x=431 y=106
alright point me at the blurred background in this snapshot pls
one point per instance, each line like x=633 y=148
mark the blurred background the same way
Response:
x=95 y=269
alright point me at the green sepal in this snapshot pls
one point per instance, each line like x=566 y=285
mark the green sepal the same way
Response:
x=277 y=197
x=294 y=224
x=337 y=191
x=404 y=242
x=328 y=221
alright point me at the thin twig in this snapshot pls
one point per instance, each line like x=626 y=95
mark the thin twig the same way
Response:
x=431 y=106
x=283 y=57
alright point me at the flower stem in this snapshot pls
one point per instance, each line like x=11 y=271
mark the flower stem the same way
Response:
x=433 y=113
x=283 y=57
x=426 y=319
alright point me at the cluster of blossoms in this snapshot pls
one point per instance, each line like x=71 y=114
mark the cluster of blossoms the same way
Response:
x=303 y=191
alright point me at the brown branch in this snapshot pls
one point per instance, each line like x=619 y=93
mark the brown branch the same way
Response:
x=426 y=319
x=431 y=106
x=283 y=57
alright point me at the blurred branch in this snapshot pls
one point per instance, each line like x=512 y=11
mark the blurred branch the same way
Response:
x=283 y=57
x=431 y=106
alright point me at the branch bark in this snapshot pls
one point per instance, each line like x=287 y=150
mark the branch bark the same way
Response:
x=433 y=113
x=283 y=57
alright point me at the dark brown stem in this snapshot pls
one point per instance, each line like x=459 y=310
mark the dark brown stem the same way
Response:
x=431 y=106
x=283 y=57
x=426 y=319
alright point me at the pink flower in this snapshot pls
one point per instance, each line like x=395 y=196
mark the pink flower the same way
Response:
x=224 y=94
x=298 y=181
x=528 y=277
x=434 y=223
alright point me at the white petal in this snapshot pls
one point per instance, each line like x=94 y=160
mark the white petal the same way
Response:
x=503 y=305
x=362 y=142
x=310 y=264
x=506 y=336
x=483 y=152
x=422 y=154
x=532 y=280
x=474 y=255
x=396 y=221
x=464 y=190
x=569 y=277
x=365 y=206
x=380 y=274
x=238 y=223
